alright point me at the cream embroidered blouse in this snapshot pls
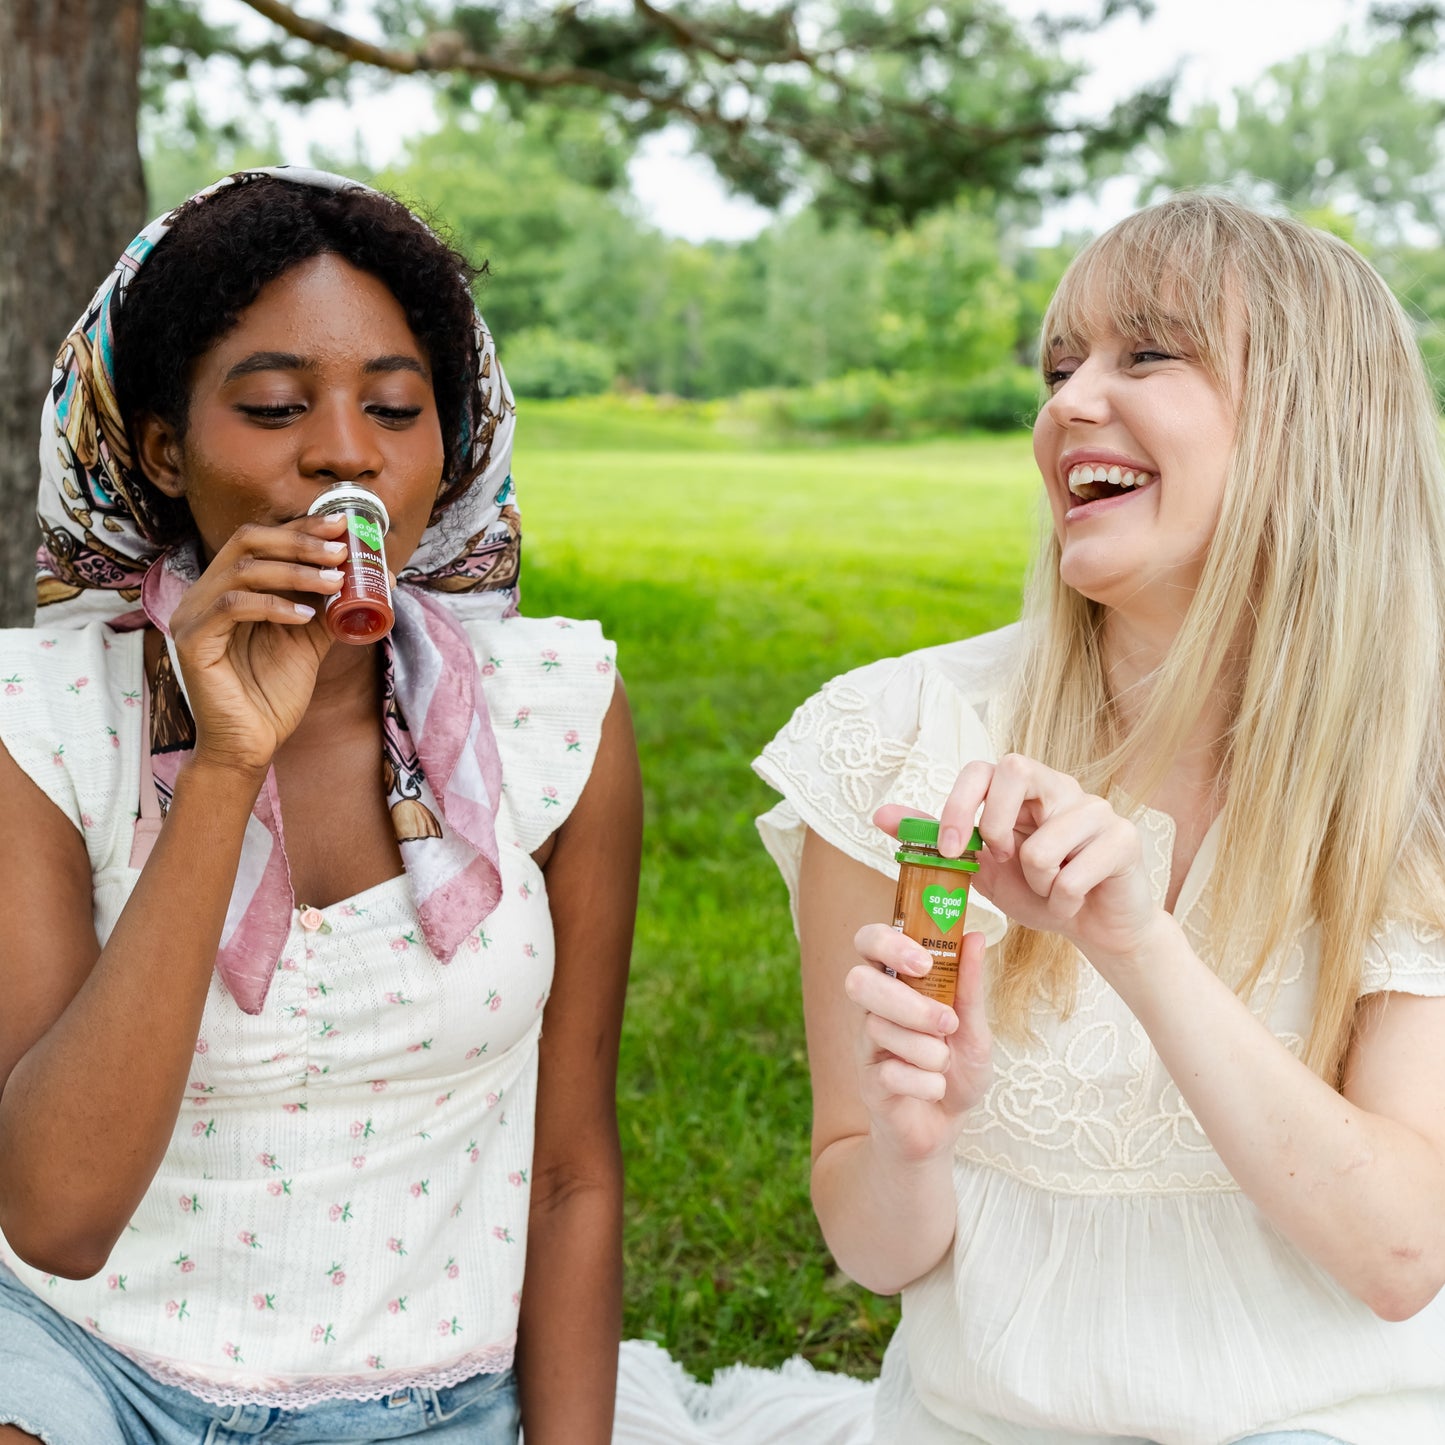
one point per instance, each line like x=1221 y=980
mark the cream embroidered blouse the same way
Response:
x=342 y=1211
x=1109 y=1281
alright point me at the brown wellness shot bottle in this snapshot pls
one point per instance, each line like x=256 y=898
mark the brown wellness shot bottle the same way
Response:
x=361 y=612
x=931 y=900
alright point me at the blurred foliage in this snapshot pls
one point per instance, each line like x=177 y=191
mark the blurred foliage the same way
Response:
x=1334 y=130
x=885 y=109
x=825 y=324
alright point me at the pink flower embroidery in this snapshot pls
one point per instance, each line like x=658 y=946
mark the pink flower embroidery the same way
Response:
x=604 y=667
x=549 y=798
x=549 y=661
x=494 y=1000
x=420 y=1188
x=269 y=1160
x=115 y=1281
x=276 y=1188
x=358 y=1161
x=377 y=1085
x=373 y=1362
x=323 y=1334
x=505 y=1235
x=249 y=1239
x=340 y=1213
x=176 y=1310
x=517 y=1177
x=492 y=1099
x=264 y=1301
x=337 y=1274
x=449 y=1327
x=523 y=713
x=573 y=741
x=453 y=1269
x=202 y=1047
x=396 y=1306
x=190 y=1203
x=396 y=1246
x=48 y=643
x=310 y=919
x=473 y=1153
x=232 y=1352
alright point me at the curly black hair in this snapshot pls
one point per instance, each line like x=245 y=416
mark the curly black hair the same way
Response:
x=222 y=249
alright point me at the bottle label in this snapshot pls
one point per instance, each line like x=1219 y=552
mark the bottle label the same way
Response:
x=368 y=530
x=945 y=908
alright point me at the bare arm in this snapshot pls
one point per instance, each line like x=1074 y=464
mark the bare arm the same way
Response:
x=1354 y=1180
x=572 y=1296
x=96 y=1048
x=893 y=1075
x=96 y=1045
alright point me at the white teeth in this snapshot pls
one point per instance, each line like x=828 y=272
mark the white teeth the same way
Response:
x=1083 y=478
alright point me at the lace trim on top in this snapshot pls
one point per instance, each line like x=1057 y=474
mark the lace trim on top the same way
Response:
x=298 y=1393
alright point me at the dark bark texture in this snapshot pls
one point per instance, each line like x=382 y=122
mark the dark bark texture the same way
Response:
x=72 y=194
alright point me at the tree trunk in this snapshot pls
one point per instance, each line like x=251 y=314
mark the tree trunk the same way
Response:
x=72 y=194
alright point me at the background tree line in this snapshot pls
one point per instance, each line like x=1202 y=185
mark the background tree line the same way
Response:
x=909 y=147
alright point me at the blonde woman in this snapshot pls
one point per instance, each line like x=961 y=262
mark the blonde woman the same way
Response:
x=1173 y=1167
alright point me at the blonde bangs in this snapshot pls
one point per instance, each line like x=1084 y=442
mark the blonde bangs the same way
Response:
x=1153 y=277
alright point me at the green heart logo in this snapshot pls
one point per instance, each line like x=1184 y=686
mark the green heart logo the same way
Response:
x=943 y=907
x=367 y=530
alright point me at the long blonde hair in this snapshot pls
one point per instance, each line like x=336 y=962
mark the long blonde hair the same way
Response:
x=1321 y=607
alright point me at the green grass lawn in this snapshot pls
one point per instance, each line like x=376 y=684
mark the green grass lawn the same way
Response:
x=735 y=582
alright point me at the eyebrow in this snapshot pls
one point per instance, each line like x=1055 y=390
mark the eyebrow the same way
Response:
x=395 y=363
x=289 y=361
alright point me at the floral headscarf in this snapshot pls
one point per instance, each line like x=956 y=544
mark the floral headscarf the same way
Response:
x=98 y=562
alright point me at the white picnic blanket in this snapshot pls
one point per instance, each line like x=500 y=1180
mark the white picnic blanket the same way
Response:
x=659 y=1403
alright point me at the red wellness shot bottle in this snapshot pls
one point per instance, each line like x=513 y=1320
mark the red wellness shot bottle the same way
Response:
x=361 y=612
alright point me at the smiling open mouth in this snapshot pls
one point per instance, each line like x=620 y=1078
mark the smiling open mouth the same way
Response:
x=1093 y=484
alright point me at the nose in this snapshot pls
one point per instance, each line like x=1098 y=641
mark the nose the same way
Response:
x=340 y=444
x=1083 y=398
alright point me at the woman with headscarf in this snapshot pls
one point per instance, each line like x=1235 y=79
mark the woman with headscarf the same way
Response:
x=282 y=1135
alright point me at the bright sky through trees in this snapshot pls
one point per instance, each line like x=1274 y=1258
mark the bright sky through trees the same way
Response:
x=1220 y=45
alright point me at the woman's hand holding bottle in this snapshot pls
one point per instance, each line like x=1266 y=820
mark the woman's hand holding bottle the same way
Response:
x=922 y=1065
x=249 y=653
x=1055 y=858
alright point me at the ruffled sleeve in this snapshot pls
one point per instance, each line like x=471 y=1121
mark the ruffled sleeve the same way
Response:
x=70 y=717
x=1406 y=958
x=896 y=731
x=548 y=682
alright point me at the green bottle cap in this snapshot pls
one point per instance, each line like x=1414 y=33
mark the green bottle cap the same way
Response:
x=925 y=831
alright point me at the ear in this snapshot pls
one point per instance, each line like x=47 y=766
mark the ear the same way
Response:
x=158 y=450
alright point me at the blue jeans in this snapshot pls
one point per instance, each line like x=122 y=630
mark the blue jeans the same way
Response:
x=61 y=1384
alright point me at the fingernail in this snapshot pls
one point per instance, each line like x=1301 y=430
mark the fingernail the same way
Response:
x=331 y=574
x=336 y=549
x=304 y=610
x=947 y=1021
x=920 y=962
x=950 y=842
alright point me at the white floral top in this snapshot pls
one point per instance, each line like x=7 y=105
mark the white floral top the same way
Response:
x=343 y=1208
x=1108 y=1280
